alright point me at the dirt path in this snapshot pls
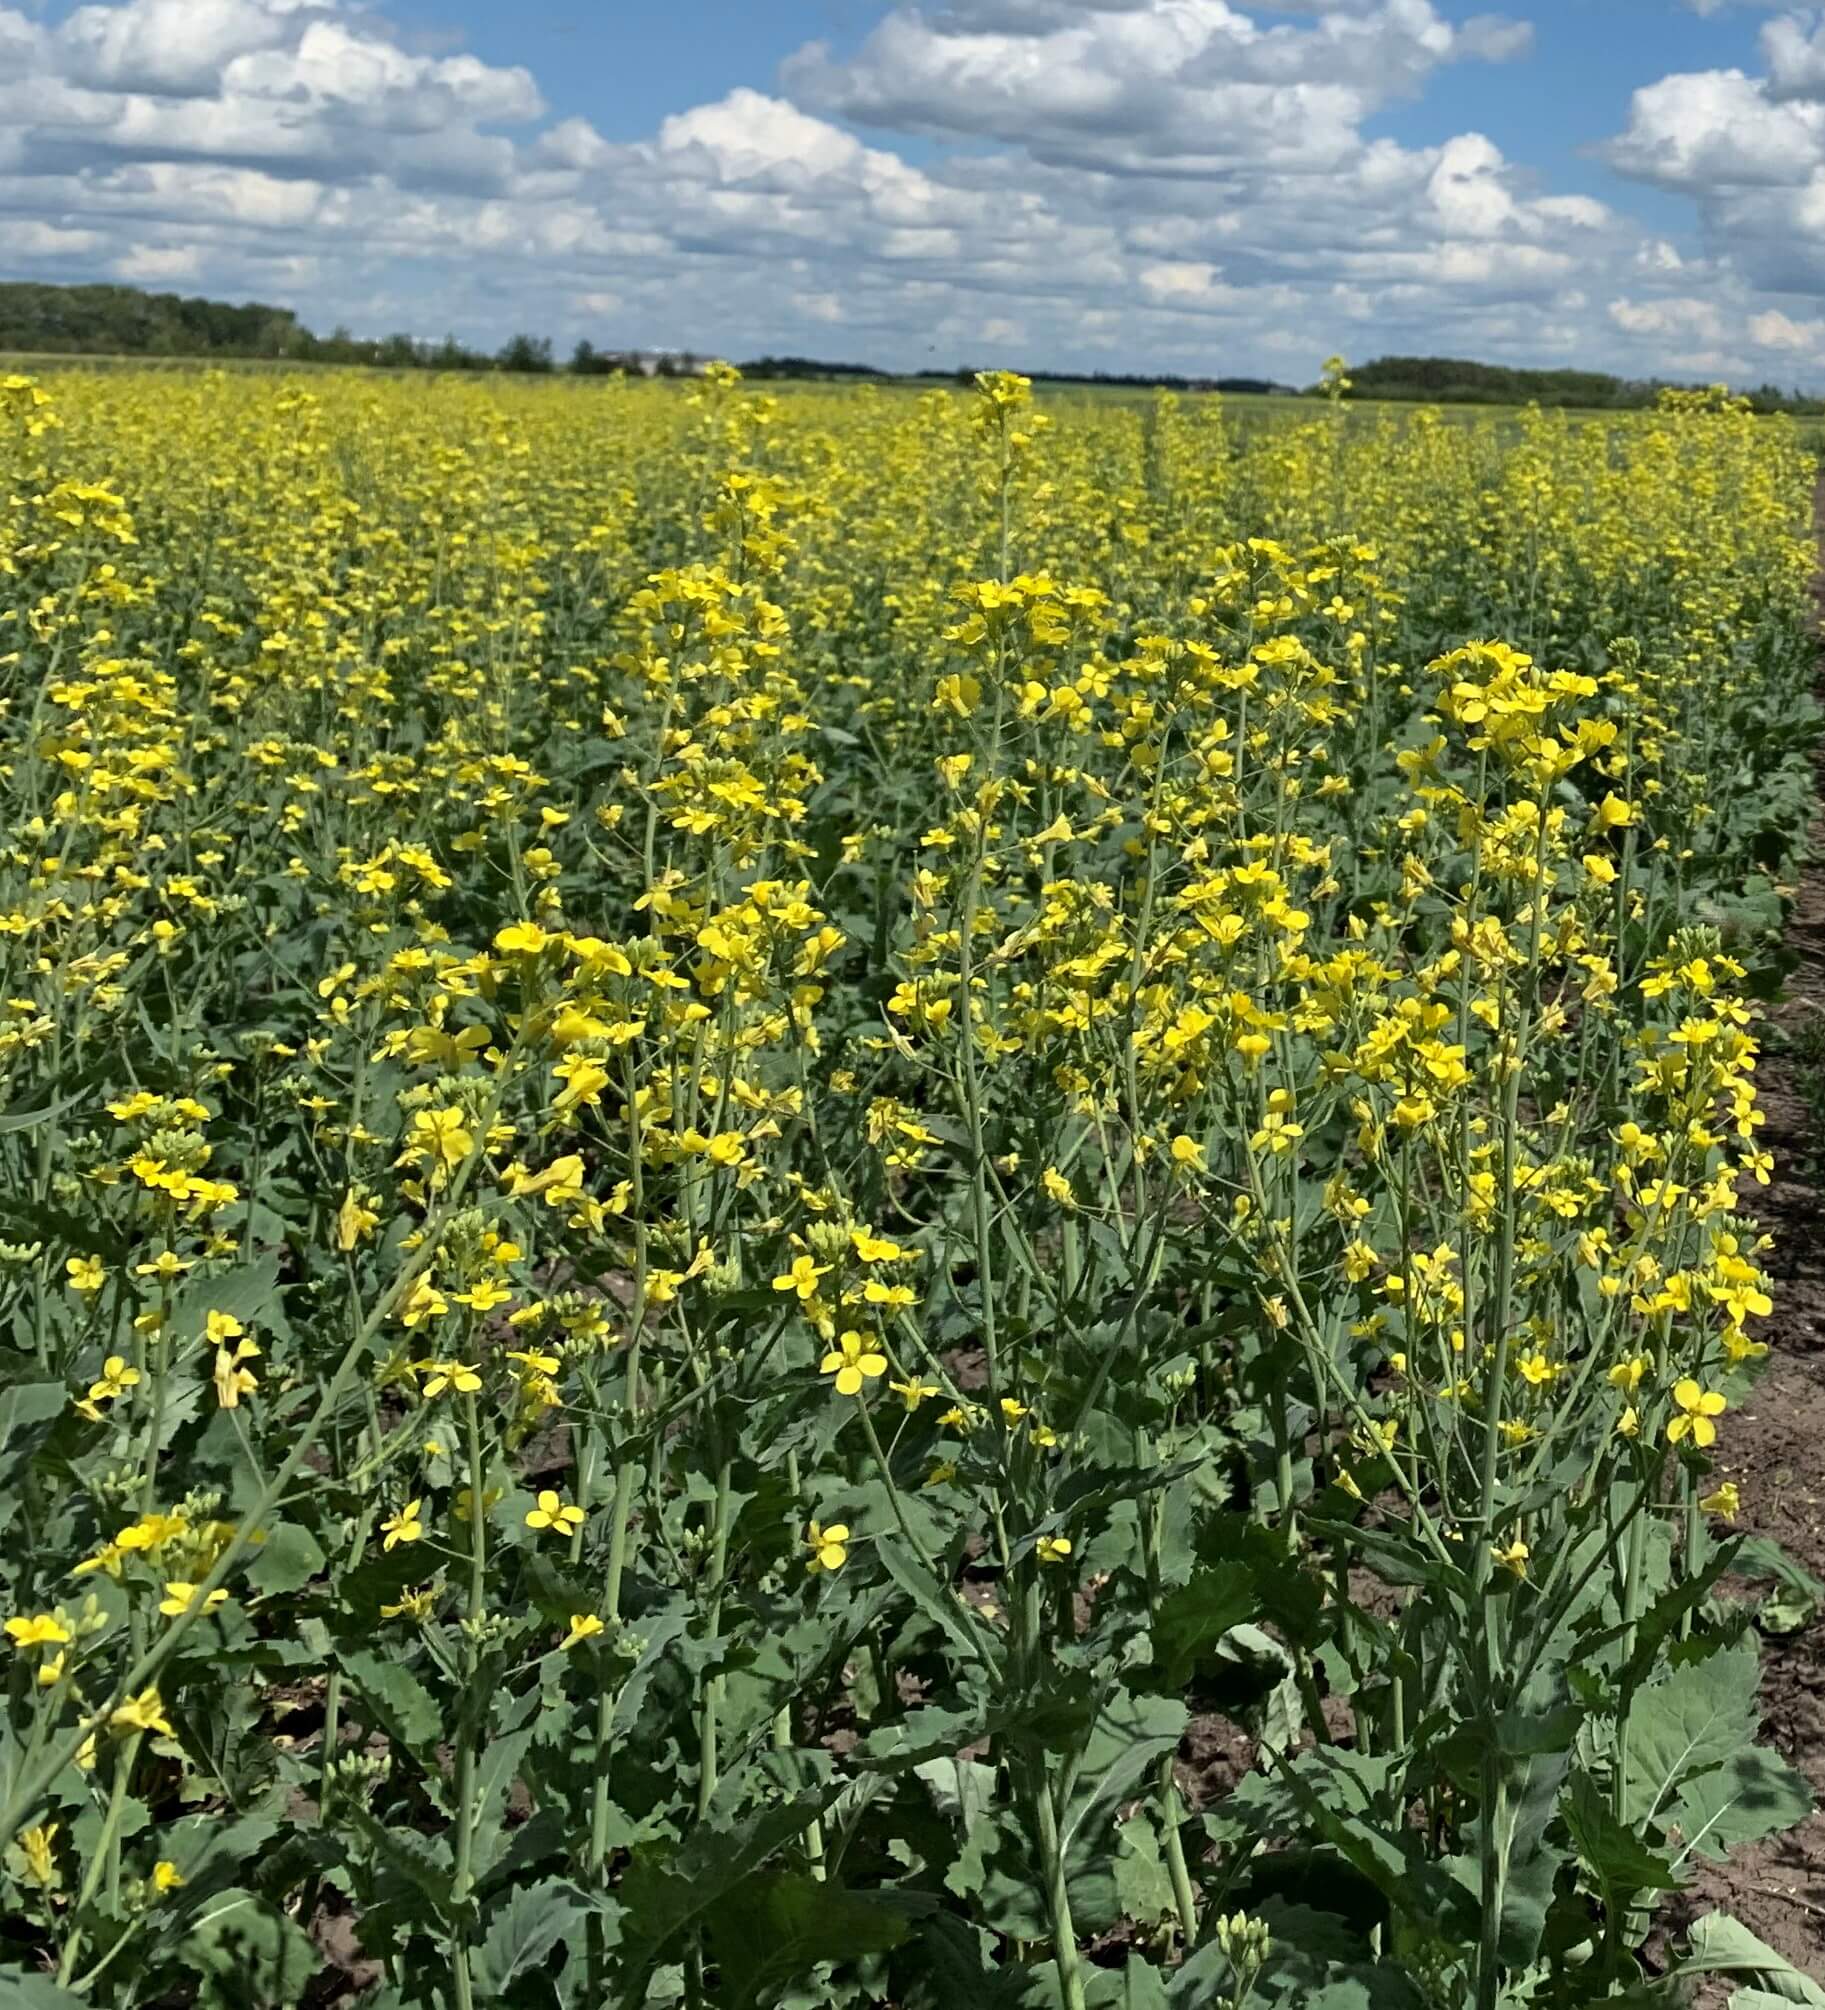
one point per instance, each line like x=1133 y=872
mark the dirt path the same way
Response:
x=1776 y=1448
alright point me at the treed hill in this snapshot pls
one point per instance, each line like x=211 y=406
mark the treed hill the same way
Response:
x=123 y=321
x=1445 y=380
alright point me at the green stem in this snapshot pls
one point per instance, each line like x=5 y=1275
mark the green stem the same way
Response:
x=473 y=1711
x=712 y=1683
x=1058 y=1898
x=124 y=1756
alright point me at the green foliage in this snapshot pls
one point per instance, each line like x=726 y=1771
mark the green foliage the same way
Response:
x=900 y=1209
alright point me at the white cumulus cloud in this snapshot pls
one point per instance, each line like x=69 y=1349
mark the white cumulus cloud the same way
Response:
x=1209 y=185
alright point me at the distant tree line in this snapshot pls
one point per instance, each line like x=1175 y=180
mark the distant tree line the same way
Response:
x=126 y=321
x=1153 y=380
x=1443 y=380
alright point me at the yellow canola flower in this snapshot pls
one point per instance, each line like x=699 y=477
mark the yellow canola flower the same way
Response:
x=555 y=1513
x=35 y=1845
x=180 y=1596
x=854 y=1360
x=44 y=1629
x=829 y=1547
x=86 y=1274
x=116 y=1378
x=404 y=1525
x=144 y=1712
x=521 y=938
x=454 y=1375
x=802 y=1278
x=1695 y=1408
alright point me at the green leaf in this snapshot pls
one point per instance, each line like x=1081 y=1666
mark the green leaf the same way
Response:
x=1340 y=1794
x=249 y=1293
x=27 y=1403
x=1395 y=1558
x=1754 y=1793
x=1616 y=1857
x=1131 y=1734
x=1138 y=1986
x=207 y=1849
x=19 y=1991
x=1797 y=1595
x=1654 y=1627
x=951 y=1969
x=1189 y=1622
x=773 y=1928
x=922 y=1734
x=404 y=1706
x=27 y=1411
x=1143 y=1885
x=523 y=1928
x=937 y=1602
x=36 y=1108
x=496 y=1771
x=665 y=1889
x=1721 y=1945
x=422 y=1862
x=1699 y=1716
x=286 y=1561
x=1526 y=1811
x=240 y=1940
x=658 y=1634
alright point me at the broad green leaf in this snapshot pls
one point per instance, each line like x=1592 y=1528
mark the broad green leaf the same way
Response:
x=404 y=1706
x=771 y=1929
x=249 y=1293
x=27 y=1412
x=1143 y=1884
x=423 y=1862
x=936 y=1601
x=920 y=1735
x=1136 y=1985
x=522 y=1929
x=496 y=1770
x=203 y=1844
x=40 y=1106
x=1340 y=1796
x=1754 y=1793
x=1189 y=1622
x=1797 y=1594
x=1130 y=1735
x=1616 y=1856
x=1721 y=1945
x=1699 y=1715
x=287 y=1560
x=239 y=1939
x=20 y=1991
x=665 y=1889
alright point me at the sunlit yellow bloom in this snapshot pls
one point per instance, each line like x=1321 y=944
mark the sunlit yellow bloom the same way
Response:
x=1695 y=1408
x=555 y=1513
x=829 y=1547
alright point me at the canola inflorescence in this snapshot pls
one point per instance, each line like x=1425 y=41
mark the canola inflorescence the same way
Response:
x=766 y=1123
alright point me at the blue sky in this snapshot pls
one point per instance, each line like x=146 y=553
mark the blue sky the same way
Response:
x=1235 y=185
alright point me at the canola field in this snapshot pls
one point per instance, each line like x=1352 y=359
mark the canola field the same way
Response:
x=872 y=1199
